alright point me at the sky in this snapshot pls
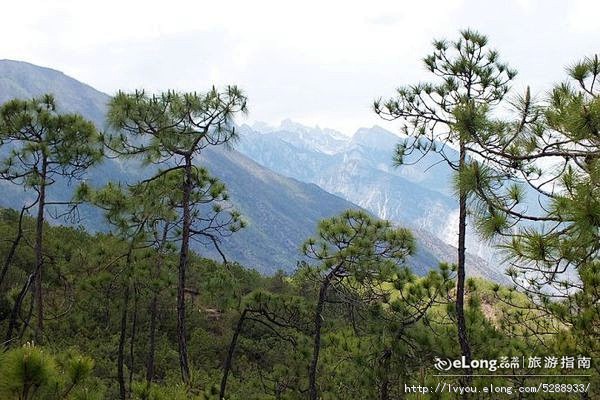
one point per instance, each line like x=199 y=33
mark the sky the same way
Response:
x=316 y=62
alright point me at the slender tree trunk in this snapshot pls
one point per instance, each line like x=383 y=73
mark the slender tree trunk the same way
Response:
x=385 y=375
x=463 y=338
x=122 y=339
x=312 y=373
x=107 y=307
x=133 y=333
x=229 y=359
x=183 y=264
x=27 y=320
x=152 y=340
x=25 y=393
x=14 y=314
x=13 y=247
x=39 y=257
x=154 y=309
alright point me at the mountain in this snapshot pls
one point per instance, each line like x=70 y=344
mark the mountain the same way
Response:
x=359 y=169
x=281 y=211
x=23 y=80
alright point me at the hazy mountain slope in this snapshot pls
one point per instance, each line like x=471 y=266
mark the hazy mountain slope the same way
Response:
x=282 y=212
x=24 y=80
x=377 y=148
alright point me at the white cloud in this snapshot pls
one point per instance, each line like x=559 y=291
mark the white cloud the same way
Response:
x=584 y=16
x=315 y=61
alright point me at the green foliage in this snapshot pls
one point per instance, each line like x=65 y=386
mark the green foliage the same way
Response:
x=145 y=391
x=177 y=123
x=31 y=373
x=38 y=134
x=359 y=246
x=25 y=370
x=270 y=360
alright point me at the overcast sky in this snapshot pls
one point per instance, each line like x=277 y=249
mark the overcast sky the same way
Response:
x=317 y=62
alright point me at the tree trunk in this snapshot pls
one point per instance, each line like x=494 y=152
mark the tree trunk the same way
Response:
x=463 y=338
x=154 y=309
x=13 y=247
x=152 y=340
x=312 y=373
x=229 y=360
x=122 y=339
x=14 y=314
x=133 y=333
x=26 y=320
x=39 y=257
x=183 y=264
x=385 y=374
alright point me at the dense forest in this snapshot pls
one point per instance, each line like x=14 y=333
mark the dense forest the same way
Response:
x=135 y=313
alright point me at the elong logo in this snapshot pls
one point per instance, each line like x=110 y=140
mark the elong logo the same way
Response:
x=446 y=364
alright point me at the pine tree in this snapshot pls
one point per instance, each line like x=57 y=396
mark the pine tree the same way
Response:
x=44 y=146
x=470 y=76
x=173 y=129
x=30 y=372
x=552 y=152
x=279 y=313
x=356 y=250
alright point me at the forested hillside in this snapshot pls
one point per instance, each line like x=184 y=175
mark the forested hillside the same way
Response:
x=86 y=340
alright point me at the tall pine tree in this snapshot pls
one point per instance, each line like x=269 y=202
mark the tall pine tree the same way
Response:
x=469 y=74
x=173 y=129
x=44 y=146
x=351 y=249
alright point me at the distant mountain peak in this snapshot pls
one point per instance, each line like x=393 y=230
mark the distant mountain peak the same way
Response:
x=292 y=126
x=375 y=137
x=260 y=127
